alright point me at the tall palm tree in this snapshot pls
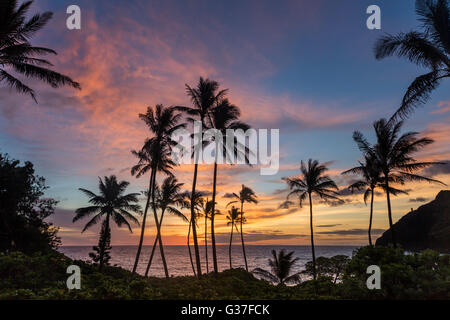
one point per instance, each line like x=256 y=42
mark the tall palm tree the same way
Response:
x=281 y=267
x=19 y=55
x=168 y=198
x=371 y=179
x=429 y=47
x=224 y=117
x=155 y=156
x=245 y=195
x=111 y=203
x=312 y=181
x=233 y=217
x=393 y=154
x=203 y=98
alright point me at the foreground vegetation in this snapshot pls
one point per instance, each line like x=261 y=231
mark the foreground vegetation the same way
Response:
x=43 y=276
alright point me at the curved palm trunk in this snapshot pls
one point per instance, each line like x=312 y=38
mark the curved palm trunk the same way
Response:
x=231 y=242
x=154 y=246
x=388 y=197
x=206 y=241
x=193 y=224
x=312 y=235
x=141 y=239
x=213 y=236
x=370 y=219
x=158 y=229
x=242 y=236
x=189 y=248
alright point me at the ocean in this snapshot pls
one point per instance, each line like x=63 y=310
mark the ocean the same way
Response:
x=179 y=264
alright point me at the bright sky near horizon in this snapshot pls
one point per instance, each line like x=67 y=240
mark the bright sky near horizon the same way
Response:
x=304 y=67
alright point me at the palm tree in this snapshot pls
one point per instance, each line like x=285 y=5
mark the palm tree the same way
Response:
x=312 y=181
x=428 y=47
x=197 y=202
x=207 y=208
x=281 y=267
x=19 y=55
x=371 y=179
x=168 y=198
x=393 y=155
x=245 y=195
x=111 y=203
x=203 y=98
x=155 y=156
x=233 y=218
x=224 y=117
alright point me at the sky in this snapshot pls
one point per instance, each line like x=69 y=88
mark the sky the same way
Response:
x=304 y=67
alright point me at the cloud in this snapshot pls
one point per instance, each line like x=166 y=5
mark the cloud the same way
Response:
x=438 y=169
x=328 y=225
x=418 y=199
x=351 y=232
x=443 y=107
x=255 y=236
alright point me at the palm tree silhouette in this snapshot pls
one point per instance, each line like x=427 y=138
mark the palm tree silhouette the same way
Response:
x=224 y=117
x=207 y=209
x=313 y=180
x=371 y=179
x=111 y=203
x=429 y=47
x=155 y=156
x=203 y=98
x=233 y=217
x=17 y=53
x=168 y=198
x=197 y=202
x=393 y=154
x=245 y=195
x=281 y=267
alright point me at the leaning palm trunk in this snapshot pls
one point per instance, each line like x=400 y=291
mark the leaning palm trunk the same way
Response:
x=141 y=239
x=206 y=241
x=231 y=242
x=213 y=211
x=158 y=229
x=391 y=227
x=189 y=248
x=370 y=219
x=312 y=236
x=242 y=236
x=154 y=247
x=193 y=224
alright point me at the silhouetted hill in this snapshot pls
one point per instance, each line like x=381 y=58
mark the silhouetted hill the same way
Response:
x=428 y=227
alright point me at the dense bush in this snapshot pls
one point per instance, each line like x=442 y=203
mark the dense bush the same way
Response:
x=403 y=276
x=423 y=275
x=23 y=209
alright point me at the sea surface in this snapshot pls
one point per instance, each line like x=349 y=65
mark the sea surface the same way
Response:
x=179 y=264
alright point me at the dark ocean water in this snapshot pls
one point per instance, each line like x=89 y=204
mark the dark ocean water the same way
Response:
x=178 y=257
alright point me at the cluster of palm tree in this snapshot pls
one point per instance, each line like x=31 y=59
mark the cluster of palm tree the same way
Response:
x=211 y=107
x=387 y=163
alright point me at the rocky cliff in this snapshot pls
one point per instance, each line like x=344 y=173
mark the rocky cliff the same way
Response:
x=428 y=227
